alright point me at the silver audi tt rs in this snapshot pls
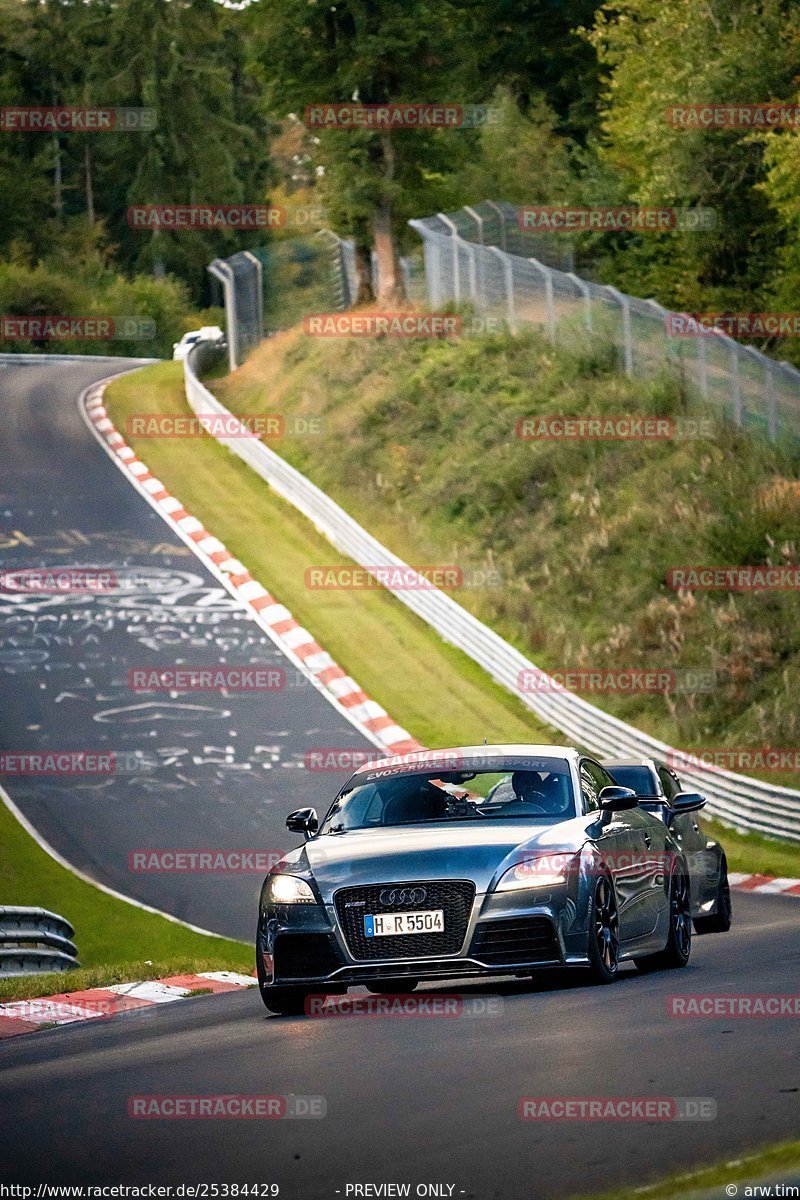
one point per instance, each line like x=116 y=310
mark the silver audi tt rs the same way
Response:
x=479 y=860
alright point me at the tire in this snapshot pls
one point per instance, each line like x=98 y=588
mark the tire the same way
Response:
x=679 y=942
x=720 y=919
x=392 y=987
x=603 y=931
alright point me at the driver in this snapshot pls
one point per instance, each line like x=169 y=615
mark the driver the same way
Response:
x=526 y=786
x=549 y=795
x=554 y=794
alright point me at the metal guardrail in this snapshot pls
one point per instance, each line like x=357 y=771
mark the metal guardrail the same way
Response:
x=745 y=803
x=35 y=940
x=11 y=359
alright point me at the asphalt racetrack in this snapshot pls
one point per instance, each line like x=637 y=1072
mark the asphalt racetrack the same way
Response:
x=197 y=772
x=421 y=1100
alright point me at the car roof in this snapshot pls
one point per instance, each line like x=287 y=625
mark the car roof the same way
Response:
x=423 y=758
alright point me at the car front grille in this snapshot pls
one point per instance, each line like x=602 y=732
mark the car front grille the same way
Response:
x=454 y=897
x=517 y=940
x=305 y=955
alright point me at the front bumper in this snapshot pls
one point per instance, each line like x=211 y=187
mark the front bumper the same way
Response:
x=506 y=934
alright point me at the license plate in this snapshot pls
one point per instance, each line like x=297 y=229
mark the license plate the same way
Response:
x=391 y=924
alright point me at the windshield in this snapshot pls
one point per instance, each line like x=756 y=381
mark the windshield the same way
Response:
x=638 y=778
x=540 y=796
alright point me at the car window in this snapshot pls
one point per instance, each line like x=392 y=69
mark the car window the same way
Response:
x=589 y=789
x=540 y=794
x=638 y=777
x=669 y=782
x=599 y=775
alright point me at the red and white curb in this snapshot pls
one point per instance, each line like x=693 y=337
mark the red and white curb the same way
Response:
x=764 y=885
x=25 y=1016
x=299 y=646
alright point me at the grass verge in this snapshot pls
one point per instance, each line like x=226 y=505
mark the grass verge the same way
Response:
x=116 y=941
x=773 y=1162
x=747 y=852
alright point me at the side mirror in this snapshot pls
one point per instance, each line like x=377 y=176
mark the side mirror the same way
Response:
x=303 y=820
x=686 y=802
x=617 y=799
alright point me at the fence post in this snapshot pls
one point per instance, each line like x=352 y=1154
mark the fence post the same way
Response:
x=476 y=216
x=339 y=250
x=502 y=217
x=431 y=260
x=627 y=339
x=548 y=294
x=661 y=313
x=473 y=273
x=737 y=384
x=432 y=257
x=508 y=272
x=703 y=362
x=259 y=291
x=222 y=271
x=454 y=240
x=583 y=286
x=344 y=279
x=772 y=401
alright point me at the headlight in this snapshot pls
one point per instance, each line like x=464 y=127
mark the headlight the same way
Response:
x=288 y=889
x=543 y=871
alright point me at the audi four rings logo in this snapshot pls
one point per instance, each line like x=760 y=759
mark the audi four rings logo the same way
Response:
x=414 y=895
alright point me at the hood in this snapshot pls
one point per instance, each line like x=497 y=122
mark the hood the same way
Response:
x=475 y=850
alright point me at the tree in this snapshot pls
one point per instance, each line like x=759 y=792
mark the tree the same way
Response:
x=532 y=49
x=185 y=59
x=660 y=55
x=395 y=51
x=520 y=157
